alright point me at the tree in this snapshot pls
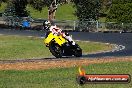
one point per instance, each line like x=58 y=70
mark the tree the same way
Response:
x=121 y=11
x=16 y=8
x=2 y=1
x=20 y=8
x=105 y=6
x=87 y=9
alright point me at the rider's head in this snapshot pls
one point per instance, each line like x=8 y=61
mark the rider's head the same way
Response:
x=46 y=24
x=66 y=33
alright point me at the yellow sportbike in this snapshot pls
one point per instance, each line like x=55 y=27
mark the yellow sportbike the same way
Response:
x=59 y=46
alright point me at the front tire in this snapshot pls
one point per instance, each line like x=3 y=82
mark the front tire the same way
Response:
x=56 y=50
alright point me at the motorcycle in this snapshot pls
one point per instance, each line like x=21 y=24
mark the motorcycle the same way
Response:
x=60 y=47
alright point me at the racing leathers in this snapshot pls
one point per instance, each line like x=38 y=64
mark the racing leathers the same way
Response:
x=57 y=31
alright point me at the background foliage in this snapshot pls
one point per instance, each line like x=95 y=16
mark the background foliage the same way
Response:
x=121 y=11
x=87 y=9
x=111 y=10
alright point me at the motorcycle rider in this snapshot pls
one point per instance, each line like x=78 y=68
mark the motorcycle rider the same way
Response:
x=56 y=31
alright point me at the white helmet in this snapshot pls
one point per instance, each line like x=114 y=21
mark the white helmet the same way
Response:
x=46 y=24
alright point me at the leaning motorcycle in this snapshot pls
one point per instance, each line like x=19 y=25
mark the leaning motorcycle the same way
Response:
x=60 y=47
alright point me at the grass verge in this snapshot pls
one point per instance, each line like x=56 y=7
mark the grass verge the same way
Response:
x=62 y=77
x=18 y=47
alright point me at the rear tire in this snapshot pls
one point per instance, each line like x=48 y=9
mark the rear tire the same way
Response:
x=77 y=51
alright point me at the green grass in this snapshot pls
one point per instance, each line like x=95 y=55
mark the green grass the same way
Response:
x=64 y=12
x=94 y=47
x=2 y=7
x=62 y=77
x=18 y=47
x=102 y=19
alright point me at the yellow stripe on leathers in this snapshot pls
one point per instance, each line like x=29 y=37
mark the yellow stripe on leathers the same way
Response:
x=58 y=39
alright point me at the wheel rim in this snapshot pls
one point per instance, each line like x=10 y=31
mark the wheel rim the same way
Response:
x=56 y=50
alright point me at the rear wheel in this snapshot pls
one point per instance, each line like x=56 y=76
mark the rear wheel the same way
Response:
x=56 y=50
x=77 y=51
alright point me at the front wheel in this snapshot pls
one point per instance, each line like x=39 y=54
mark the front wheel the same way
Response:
x=56 y=50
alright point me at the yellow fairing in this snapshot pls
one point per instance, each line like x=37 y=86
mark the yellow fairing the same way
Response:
x=58 y=39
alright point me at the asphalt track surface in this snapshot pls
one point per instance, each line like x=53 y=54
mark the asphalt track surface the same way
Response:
x=123 y=39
